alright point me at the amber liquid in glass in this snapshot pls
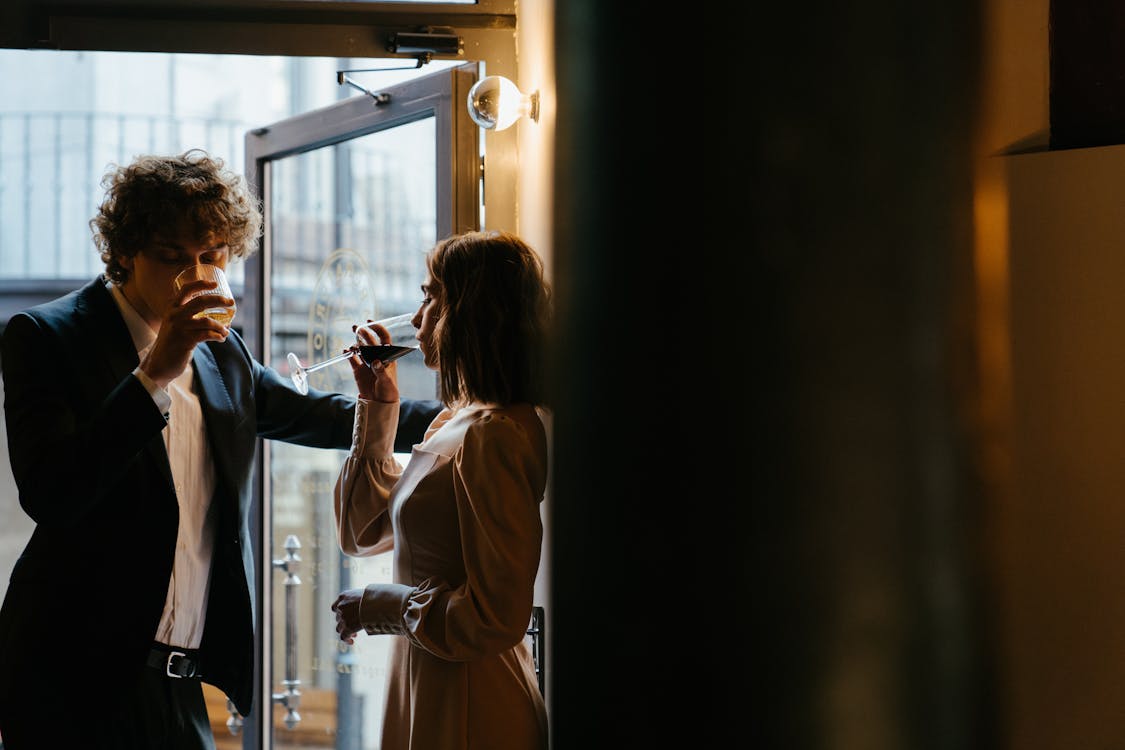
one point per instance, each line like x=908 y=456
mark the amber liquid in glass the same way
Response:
x=222 y=315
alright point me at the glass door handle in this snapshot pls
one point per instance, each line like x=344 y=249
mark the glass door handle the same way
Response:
x=537 y=630
x=234 y=723
x=291 y=696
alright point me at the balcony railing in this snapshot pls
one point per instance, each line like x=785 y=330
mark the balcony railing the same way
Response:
x=51 y=168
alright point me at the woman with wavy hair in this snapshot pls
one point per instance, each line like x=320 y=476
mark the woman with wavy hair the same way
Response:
x=463 y=516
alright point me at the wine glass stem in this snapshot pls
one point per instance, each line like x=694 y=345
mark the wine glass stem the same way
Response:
x=334 y=360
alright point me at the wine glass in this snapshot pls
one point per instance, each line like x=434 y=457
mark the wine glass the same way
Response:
x=208 y=272
x=402 y=343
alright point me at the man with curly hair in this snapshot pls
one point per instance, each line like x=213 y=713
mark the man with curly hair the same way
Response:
x=133 y=426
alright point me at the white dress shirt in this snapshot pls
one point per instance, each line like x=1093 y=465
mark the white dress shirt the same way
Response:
x=193 y=471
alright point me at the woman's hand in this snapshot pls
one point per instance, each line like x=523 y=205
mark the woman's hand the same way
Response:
x=346 y=608
x=375 y=382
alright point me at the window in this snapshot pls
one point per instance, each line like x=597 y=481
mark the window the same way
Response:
x=65 y=117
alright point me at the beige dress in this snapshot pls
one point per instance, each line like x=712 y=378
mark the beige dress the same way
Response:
x=463 y=520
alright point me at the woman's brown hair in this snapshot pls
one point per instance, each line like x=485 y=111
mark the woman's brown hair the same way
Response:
x=495 y=313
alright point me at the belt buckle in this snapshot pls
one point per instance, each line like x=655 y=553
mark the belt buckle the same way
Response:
x=168 y=665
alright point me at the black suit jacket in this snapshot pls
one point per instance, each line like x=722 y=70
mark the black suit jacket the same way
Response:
x=86 y=449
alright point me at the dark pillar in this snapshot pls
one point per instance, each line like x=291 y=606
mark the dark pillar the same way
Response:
x=763 y=510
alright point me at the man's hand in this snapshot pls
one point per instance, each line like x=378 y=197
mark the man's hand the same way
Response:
x=180 y=331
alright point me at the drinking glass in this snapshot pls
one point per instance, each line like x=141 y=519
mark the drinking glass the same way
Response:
x=207 y=272
x=402 y=343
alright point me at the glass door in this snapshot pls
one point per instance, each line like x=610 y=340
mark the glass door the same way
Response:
x=353 y=196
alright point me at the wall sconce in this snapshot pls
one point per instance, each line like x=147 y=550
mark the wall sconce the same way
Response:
x=495 y=103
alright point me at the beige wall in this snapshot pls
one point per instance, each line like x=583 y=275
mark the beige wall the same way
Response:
x=1050 y=228
x=535 y=163
x=1064 y=529
x=535 y=48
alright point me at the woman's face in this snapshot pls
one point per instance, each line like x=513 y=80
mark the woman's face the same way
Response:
x=426 y=319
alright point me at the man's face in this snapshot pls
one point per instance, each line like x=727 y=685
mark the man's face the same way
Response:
x=152 y=270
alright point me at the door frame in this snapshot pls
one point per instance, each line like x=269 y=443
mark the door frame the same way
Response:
x=440 y=95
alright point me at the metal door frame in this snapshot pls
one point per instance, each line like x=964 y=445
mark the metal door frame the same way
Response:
x=440 y=95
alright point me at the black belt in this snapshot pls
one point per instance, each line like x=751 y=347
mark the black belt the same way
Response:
x=174 y=662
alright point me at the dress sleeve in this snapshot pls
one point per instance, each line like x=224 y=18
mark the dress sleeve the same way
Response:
x=499 y=476
x=363 y=488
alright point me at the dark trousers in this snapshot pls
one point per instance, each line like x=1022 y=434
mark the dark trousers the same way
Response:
x=156 y=713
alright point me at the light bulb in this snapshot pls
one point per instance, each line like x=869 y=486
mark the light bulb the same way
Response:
x=495 y=103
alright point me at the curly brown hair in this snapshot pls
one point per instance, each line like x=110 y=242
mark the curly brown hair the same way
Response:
x=192 y=192
x=492 y=331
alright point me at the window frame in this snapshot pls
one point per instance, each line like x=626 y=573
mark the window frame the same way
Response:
x=272 y=27
x=440 y=95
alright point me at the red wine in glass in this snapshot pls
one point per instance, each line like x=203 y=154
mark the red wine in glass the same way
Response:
x=385 y=353
x=400 y=327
